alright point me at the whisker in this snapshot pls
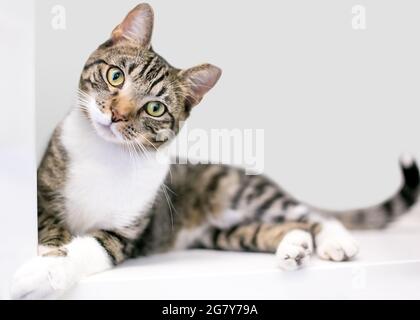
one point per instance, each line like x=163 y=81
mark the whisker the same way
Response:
x=143 y=137
x=170 y=204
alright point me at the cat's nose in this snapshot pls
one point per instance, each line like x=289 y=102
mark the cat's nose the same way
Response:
x=116 y=116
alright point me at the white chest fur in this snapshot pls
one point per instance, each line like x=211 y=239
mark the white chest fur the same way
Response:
x=106 y=186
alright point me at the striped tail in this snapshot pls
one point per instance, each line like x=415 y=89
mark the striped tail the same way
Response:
x=379 y=216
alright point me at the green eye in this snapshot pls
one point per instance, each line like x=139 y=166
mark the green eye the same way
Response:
x=155 y=108
x=115 y=76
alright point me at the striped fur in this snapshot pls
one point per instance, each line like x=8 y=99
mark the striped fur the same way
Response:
x=379 y=216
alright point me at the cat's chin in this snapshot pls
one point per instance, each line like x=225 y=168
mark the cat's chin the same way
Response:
x=108 y=132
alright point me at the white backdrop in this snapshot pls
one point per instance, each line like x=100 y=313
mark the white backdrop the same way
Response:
x=17 y=139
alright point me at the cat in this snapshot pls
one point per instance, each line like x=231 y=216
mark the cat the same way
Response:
x=103 y=197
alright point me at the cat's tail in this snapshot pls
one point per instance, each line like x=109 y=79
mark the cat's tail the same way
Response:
x=379 y=216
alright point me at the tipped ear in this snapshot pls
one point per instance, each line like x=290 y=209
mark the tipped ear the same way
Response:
x=137 y=26
x=199 y=81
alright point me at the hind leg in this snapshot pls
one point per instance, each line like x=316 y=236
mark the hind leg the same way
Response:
x=332 y=240
x=230 y=200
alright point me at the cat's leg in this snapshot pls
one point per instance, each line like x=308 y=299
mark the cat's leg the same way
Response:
x=332 y=241
x=227 y=196
x=48 y=276
x=51 y=234
x=292 y=242
x=269 y=203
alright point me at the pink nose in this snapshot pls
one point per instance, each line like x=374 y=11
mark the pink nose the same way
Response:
x=116 y=116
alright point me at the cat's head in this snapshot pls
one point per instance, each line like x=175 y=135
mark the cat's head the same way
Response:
x=131 y=94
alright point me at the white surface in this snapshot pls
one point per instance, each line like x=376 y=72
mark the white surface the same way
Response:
x=388 y=266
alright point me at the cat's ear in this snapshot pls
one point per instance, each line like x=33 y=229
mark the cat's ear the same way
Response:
x=199 y=80
x=137 y=26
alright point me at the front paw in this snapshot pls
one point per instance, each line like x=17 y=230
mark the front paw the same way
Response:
x=295 y=250
x=43 y=278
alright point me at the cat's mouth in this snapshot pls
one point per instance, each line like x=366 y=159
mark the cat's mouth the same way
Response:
x=108 y=131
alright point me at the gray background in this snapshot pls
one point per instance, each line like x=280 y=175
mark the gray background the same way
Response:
x=338 y=105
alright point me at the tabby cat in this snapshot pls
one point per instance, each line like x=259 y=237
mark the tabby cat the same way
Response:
x=103 y=197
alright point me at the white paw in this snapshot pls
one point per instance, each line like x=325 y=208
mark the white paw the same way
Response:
x=336 y=244
x=43 y=278
x=295 y=250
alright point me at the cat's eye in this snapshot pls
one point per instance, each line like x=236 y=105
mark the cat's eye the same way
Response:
x=115 y=76
x=155 y=108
